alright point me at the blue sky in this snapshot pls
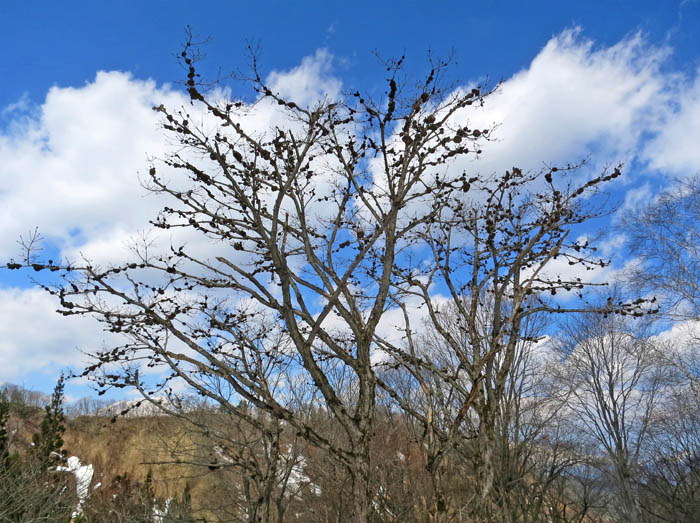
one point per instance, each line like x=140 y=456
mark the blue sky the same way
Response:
x=614 y=81
x=65 y=43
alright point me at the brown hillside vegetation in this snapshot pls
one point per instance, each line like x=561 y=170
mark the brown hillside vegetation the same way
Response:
x=163 y=458
x=167 y=453
x=209 y=466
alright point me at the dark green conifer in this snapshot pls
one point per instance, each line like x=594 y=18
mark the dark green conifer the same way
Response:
x=30 y=487
x=48 y=443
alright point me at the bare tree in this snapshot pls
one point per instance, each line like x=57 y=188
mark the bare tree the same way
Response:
x=671 y=468
x=665 y=237
x=24 y=398
x=530 y=447
x=493 y=254
x=345 y=210
x=256 y=466
x=616 y=381
x=313 y=216
x=85 y=406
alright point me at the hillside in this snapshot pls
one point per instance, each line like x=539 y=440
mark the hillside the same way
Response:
x=215 y=468
x=165 y=456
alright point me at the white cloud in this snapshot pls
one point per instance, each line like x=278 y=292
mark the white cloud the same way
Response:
x=74 y=168
x=637 y=197
x=21 y=106
x=675 y=149
x=70 y=166
x=682 y=336
x=576 y=99
x=35 y=340
x=309 y=82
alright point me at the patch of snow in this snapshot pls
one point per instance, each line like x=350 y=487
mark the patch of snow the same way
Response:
x=159 y=515
x=83 y=477
x=381 y=494
x=297 y=478
x=220 y=452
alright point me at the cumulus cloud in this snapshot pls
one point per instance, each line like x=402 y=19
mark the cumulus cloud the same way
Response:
x=71 y=167
x=36 y=341
x=637 y=197
x=674 y=150
x=87 y=144
x=308 y=83
x=682 y=335
x=573 y=100
x=72 y=171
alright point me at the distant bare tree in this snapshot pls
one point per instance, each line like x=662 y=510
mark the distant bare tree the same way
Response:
x=255 y=464
x=85 y=406
x=21 y=396
x=494 y=256
x=665 y=237
x=670 y=478
x=616 y=381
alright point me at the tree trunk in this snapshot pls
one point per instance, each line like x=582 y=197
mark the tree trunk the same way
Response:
x=629 y=498
x=361 y=495
x=439 y=509
x=485 y=469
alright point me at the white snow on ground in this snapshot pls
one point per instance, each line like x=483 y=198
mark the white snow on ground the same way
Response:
x=83 y=477
x=297 y=477
x=220 y=452
x=159 y=515
x=381 y=494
